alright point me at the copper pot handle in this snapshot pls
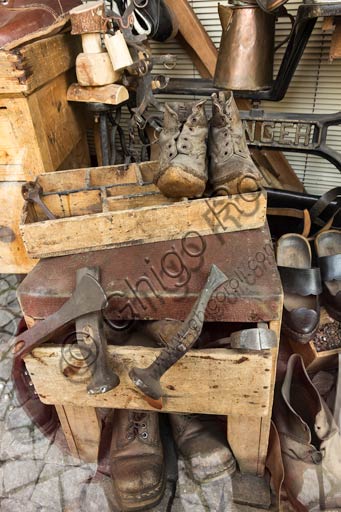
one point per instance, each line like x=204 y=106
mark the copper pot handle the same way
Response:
x=284 y=13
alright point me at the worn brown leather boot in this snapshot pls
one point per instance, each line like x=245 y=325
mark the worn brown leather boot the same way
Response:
x=231 y=169
x=183 y=163
x=202 y=445
x=136 y=458
x=310 y=439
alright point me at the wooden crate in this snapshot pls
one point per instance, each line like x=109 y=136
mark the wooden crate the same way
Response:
x=313 y=360
x=139 y=286
x=39 y=130
x=107 y=207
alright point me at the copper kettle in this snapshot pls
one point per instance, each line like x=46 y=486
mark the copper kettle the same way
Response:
x=247 y=48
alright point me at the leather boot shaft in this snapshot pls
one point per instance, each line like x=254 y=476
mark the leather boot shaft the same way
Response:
x=310 y=441
x=231 y=169
x=183 y=162
x=136 y=457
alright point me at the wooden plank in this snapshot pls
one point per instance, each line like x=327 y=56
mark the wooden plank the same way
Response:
x=20 y=157
x=335 y=45
x=82 y=430
x=194 y=34
x=112 y=94
x=13 y=257
x=163 y=279
x=133 y=189
x=39 y=132
x=120 y=203
x=24 y=70
x=115 y=175
x=243 y=434
x=223 y=380
x=63 y=180
x=57 y=124
x=113 y=229
x=252 y=451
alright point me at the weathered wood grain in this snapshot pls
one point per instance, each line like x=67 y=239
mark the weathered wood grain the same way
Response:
x=215 y=381
x=24 y=70
x=141 y=225
x=112 y=94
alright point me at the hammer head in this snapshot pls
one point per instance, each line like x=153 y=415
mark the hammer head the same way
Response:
x=147 y=383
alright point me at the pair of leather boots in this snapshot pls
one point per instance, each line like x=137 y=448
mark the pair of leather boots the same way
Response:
x=194 y=150
x=137 y=459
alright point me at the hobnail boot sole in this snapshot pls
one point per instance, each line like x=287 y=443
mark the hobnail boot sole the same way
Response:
x=176 y=182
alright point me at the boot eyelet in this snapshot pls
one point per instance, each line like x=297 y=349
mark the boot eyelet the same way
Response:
x=170 y=155
x=226 y=153
x=144 y=435
x=194 y=119
x=169 y=145
x=143 y=425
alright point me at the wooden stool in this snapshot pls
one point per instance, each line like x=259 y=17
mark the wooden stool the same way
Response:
x=162 y=280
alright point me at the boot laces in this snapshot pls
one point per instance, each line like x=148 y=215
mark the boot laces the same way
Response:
x=137 y=426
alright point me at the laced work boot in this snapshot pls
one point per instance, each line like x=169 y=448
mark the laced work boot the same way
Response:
x=202 y=445
x=183 y=163
x=231 y=169
x=136 y=455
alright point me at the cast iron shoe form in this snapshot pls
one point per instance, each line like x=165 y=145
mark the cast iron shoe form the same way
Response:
x=136 y=459
x=302 y=287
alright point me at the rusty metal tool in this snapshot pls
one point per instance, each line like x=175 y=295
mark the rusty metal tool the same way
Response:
x=93 y=345
x=32 y=192
x=148 y=379
x=252 y=339
x=88 y=297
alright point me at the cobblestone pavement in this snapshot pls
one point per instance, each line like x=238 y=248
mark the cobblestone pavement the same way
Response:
x=38 y=475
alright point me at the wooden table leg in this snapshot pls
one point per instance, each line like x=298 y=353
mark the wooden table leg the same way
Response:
x=82 y=429
x=248 y=436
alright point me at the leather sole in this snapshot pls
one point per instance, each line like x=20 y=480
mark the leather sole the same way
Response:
x=239 y=185
x=224 y=469
x=176 y=182
x=144 y=501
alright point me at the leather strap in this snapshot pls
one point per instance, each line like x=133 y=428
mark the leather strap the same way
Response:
x=330 y=267
x=301 y=281
x=322 y=203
